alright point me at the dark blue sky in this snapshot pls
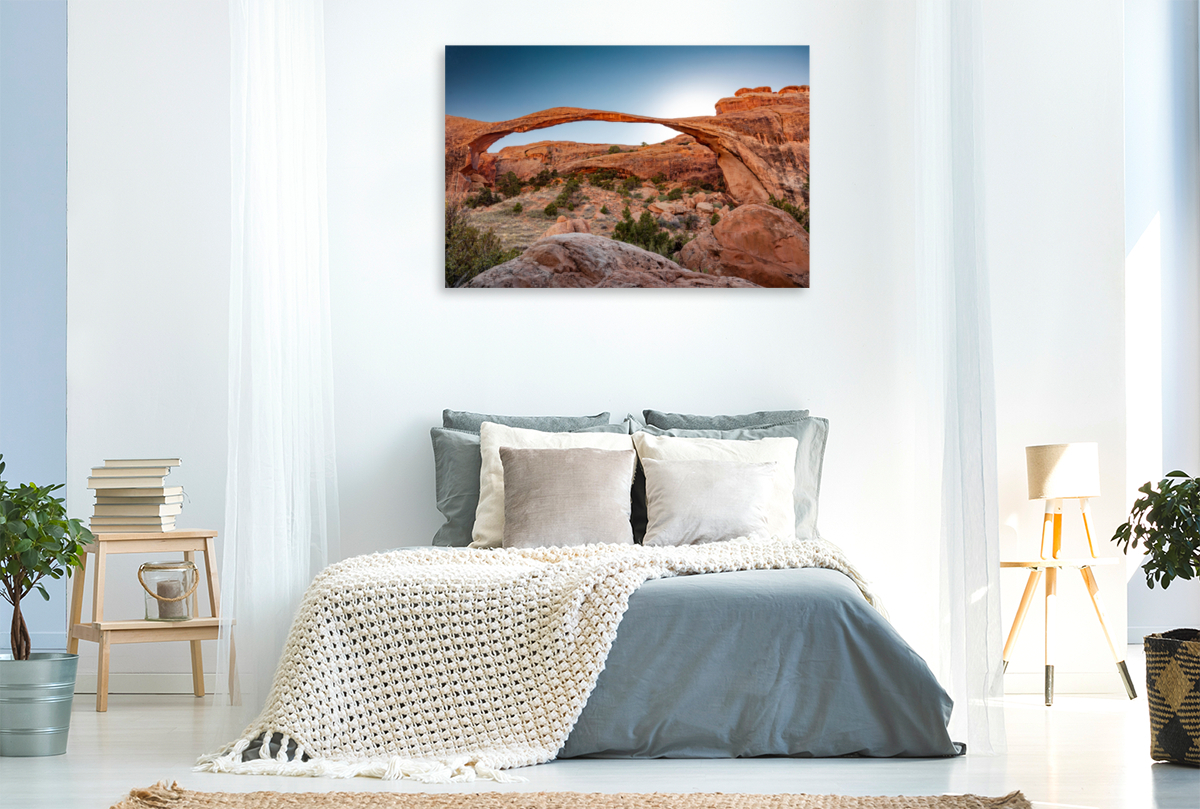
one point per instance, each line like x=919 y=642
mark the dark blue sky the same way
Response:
x=495 y=83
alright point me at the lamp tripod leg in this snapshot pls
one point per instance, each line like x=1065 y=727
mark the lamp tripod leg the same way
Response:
x=1093 y=588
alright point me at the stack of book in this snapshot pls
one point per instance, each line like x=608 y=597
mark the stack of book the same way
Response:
x=132 y=496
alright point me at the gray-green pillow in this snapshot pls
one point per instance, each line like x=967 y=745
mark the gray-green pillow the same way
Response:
x=810 y=432
x=463 y=420
x=456 y=464
x=685 y=421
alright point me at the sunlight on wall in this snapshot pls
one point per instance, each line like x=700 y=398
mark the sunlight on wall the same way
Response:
x=1143 y=367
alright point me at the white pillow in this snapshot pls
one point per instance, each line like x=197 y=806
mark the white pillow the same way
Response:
x=781 y=517
x=691 y=502
x=489 y=514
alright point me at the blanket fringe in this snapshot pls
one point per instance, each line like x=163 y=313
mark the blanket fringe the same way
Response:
x=457 y=769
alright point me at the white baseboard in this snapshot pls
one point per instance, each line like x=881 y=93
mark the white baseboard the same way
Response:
x=144 y=683
x=1066 y=682
x=1136 y=633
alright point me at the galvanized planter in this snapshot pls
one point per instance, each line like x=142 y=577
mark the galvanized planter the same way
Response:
x=35 y=703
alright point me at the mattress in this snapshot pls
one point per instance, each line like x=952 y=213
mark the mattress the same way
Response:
x=760 y=663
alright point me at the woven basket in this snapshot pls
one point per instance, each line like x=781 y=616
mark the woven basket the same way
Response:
x=1173 y=692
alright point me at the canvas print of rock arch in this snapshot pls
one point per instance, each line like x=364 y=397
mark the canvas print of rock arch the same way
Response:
x=627 y=166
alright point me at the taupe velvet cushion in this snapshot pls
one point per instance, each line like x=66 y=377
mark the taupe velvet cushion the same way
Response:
x=695 y=501
x=563 y=497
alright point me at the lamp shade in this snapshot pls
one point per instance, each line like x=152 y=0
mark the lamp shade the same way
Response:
x=1063 y=470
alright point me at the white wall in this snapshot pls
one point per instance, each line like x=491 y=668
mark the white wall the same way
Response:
x=1056 y=251
x=149 y=236
x=1162 y=240
x=148 y=248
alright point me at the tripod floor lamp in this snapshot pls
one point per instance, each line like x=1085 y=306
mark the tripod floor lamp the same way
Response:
x=1059 y=472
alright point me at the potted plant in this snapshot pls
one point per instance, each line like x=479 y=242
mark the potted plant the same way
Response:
x=36 y=688
x=1166 y=522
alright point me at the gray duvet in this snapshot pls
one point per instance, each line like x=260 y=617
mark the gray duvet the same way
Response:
x=760 y=663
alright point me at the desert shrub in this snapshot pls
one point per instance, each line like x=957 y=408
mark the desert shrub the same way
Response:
x=518 y=208
x=690 y=221
x=614 y=149
x=675 y=193
x=707 y=186
x=470 y=251
x=604 y=209
x=693 y=189
x=483 y=199
x=551 y=210
x=566 y=198
x=509 y=184
x=713 y=220
x=604 y=178
x=799 y=214
x=659 y=179
x=646 y=234
x=631 y=182
x=651 y=198
x=542 y=179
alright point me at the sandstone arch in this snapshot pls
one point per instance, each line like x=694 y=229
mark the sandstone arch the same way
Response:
x=761 y=150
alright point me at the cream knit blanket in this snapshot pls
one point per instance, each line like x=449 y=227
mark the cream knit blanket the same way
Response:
x=447 y=666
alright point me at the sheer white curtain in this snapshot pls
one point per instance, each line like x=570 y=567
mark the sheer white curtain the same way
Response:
x=957 y=428
x=281 y=508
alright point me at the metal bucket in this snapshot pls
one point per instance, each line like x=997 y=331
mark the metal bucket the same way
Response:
x=35 y=703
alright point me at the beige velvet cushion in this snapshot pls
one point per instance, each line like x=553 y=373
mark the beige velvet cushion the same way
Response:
x=690 y=502
x=566 y=496
x=781 y=515
x=488 y=531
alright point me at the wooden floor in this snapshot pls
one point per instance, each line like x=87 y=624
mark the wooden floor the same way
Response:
x=1083 y=752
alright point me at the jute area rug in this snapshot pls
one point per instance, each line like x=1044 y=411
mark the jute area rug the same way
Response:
x=162 y=796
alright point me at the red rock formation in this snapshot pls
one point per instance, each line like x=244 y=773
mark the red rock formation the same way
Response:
x=757 y=242
x=581 y=260
x=761 y=150
x=680 y=159
x=794 y=95
x=564 y=225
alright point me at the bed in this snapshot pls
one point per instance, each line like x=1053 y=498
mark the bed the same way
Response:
x=572 y=641
x=760 y=663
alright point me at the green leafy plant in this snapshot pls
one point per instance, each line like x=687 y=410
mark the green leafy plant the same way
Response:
x=713 y=220
x=550 y=210
x=1166 y=521
x=632 y=182
x=36 y=540
x=518 y=208
x=604 y=209
x=542 y=179
x=469 y=250
x=675 y=193
x=614 y=149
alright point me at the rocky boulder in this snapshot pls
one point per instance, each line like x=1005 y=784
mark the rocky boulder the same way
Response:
x=582 y=260
x=759 y=243
x=564 y=225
